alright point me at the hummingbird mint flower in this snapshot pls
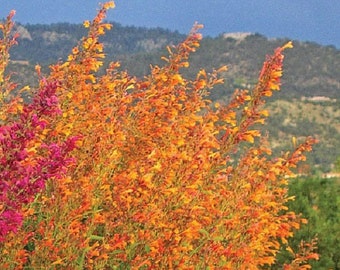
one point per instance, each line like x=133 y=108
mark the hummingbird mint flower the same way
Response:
x=26 y=161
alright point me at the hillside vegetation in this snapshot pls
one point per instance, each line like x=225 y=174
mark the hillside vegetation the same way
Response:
x=312 y=70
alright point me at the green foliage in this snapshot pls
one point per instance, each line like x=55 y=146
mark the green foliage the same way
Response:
x=337 y=165
x=318 y=199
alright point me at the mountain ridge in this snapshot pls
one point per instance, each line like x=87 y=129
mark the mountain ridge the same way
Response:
x=308 y=103
x=310 y=69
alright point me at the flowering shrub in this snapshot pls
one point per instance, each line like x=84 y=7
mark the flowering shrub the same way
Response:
x=27 y=161
x=164 y=179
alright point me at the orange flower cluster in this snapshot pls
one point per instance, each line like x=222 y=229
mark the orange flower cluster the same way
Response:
x=164 y=179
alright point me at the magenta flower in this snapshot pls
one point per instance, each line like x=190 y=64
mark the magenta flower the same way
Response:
x=20 y=180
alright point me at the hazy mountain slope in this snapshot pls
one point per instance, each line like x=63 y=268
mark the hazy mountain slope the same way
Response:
x=311 y=70
x=47 y=43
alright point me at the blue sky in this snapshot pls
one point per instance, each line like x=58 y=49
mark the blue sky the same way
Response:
x=306 y=20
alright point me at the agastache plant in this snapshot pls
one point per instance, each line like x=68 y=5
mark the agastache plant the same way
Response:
x=157 y=183
x=26 y=161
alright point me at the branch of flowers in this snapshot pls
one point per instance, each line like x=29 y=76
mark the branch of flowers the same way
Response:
x=26 y=162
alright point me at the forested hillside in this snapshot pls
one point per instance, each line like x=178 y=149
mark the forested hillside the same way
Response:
x=310 y=84
x=45 y=43
x=312 y=69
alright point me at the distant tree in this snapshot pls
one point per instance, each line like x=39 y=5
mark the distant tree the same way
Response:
x=318 y=200
x=337 y=165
